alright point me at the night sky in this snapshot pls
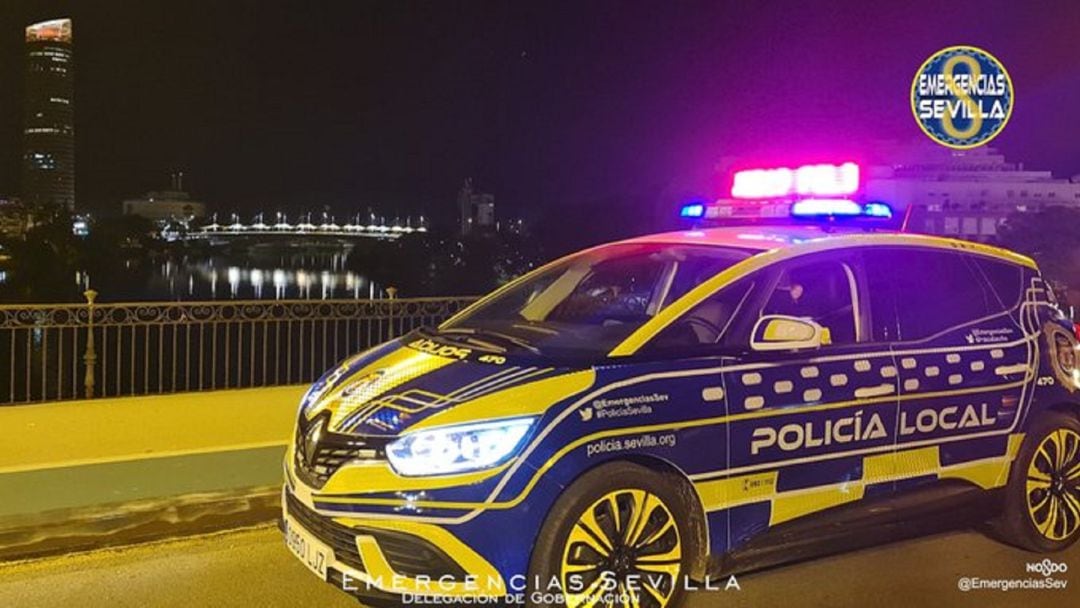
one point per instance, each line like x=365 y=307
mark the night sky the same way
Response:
x=391 y=104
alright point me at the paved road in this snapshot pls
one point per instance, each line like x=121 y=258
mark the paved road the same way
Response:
x=252 y=568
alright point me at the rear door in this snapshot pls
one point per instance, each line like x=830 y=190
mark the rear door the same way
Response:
x=965 y=364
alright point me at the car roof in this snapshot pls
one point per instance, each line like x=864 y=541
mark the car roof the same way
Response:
x=797 y=240
x=758 y=238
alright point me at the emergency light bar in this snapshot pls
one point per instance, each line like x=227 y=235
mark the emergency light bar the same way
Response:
x=807 y=180
x=809 y=209
x=820 y=192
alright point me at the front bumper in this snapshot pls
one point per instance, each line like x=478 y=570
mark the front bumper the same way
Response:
x=380 y=560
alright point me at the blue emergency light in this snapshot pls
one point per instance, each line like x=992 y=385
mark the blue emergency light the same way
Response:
x=692 y=210
x=839 y=207
x=877 y=210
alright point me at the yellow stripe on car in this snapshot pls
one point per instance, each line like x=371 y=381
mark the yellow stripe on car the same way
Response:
x=734 y=491
x=482 y=578
x=394 y=369
x=371 y=476
x=521 y=400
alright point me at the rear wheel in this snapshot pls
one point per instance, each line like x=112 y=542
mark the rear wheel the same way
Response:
x=617 y=537
x=1042 y=503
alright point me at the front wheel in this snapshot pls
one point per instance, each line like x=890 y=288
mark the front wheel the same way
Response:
x=1042 y=501
x=617 y=537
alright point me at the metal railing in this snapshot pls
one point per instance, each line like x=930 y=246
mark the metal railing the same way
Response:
x=54 y=352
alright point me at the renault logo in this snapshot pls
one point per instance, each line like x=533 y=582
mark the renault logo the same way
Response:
x=311 y=442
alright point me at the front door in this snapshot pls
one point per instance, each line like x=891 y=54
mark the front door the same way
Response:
x=811 y=429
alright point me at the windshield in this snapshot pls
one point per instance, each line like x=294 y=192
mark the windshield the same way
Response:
x=586 y=305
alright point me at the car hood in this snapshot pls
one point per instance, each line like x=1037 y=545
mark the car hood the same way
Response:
x=401 y=386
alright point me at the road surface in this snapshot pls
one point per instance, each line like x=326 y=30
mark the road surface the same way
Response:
x=251 y=567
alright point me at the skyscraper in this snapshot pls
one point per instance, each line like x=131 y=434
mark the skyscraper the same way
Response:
x=48 y=169
x=476 y=210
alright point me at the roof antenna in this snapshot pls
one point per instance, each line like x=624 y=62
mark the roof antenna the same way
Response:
x=907 y=216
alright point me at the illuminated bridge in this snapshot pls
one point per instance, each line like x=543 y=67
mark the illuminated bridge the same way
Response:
x=378 y=229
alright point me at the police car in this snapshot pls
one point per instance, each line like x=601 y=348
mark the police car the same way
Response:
x=648 y=413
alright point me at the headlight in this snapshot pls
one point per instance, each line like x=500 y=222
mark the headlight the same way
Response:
x=456 y=449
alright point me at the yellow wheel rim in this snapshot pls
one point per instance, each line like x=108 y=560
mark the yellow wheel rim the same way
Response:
x=1053 y=485
x=624 y=551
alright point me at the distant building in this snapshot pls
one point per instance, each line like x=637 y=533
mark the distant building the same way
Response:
x=964 y=193
x=166 y=205
x=476 y=210
x=14 y=218
x=48 y=163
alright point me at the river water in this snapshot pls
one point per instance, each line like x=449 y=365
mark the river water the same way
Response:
x=277 y=273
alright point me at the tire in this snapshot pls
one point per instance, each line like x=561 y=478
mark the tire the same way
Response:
x=604 y=500
x=1042 y=501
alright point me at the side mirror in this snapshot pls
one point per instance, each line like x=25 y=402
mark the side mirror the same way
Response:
x=781 y=332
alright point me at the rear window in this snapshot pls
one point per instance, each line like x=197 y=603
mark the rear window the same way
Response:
x=1006 y=279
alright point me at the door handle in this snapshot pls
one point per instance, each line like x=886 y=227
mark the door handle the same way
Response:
x=1005 y=370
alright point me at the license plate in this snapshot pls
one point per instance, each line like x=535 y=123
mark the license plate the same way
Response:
x=308 y=549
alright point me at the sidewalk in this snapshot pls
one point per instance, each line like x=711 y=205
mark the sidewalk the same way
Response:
x=84 y=474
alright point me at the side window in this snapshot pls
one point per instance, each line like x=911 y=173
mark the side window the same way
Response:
x=823 y=291
x=715 y=321
x=1005 y=278
x=936 y=290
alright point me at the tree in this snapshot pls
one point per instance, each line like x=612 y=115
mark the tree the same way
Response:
x=1051 y=237
x=43 y=262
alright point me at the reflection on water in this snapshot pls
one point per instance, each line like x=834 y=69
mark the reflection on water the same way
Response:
x=281 y=275
x=214 y=279
x=277 y=283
